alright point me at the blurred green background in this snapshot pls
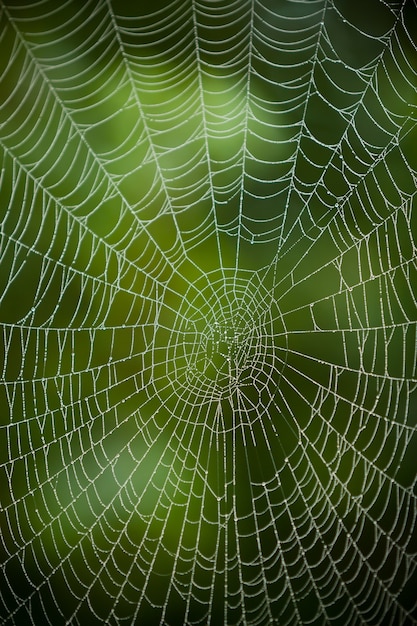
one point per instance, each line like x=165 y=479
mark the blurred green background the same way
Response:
x=208 y=311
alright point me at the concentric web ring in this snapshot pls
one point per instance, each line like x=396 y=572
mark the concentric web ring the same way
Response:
x=208 y=312
x=223 y=354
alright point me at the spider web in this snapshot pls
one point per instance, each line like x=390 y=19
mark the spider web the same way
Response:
x=208 y=312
